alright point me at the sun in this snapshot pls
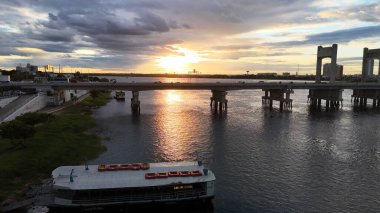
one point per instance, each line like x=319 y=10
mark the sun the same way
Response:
x=179 y=62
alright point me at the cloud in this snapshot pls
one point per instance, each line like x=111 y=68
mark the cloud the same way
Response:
x=233 y=47
x=134 y=32
x=339 y=36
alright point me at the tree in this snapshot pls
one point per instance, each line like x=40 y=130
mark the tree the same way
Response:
x=16 y=131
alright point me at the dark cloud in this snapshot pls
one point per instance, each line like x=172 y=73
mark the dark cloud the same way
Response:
x=247 y=54
x=366 y=13
x=132 y=31
x=339 y=36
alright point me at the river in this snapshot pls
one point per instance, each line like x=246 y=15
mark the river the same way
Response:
x=264 y=161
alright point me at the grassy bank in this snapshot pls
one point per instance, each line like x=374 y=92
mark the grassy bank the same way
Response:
x=60 y=141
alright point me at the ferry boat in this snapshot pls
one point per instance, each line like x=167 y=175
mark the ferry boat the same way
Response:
x=120 y=95
x=139 y=183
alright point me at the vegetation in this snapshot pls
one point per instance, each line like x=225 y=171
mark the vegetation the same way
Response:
x=17 y=132
x=58 y=140
x=34 y=118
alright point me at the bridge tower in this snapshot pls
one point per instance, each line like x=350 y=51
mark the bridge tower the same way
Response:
x=326 y=52
x=218 y=101
x=369 y=55
x=333 y=97
x=135 y=102
x=360 y=96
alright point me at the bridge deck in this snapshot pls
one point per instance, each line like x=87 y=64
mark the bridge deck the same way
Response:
x=197 y=86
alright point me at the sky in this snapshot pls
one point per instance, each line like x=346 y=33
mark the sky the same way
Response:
x=177 y=36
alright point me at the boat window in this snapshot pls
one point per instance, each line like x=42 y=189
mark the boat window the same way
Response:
x=64 y=193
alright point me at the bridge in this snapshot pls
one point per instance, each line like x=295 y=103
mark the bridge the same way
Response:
x=143 y=86
x=279 y=91
x=330 y=91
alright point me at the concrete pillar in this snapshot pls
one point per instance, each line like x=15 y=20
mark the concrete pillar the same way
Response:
x=378 y=74
x=319 y=67
x=219 y=101
x=365 y=65
x=333 y=63
x=135 y=102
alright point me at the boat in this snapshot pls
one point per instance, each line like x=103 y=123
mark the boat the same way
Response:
x=106 y=185
x=119 y=95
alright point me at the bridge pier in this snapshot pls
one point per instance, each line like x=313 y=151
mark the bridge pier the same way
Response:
x=135 y=102
x=360 y=97
x=278 y=95
x=333 y=98
x=218 y=101
x=56 y=97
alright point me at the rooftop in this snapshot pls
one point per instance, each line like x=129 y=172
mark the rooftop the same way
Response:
x=93 y=179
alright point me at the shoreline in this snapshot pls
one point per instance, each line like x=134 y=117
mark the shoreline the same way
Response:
x=64 y=140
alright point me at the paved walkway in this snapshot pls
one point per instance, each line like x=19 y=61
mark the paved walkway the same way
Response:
x=54 y=109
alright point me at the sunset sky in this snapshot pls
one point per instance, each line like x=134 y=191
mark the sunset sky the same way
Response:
x=166 y=36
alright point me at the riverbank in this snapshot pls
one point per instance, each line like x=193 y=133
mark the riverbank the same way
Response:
x=63 y=140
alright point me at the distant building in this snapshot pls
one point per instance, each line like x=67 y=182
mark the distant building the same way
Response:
x=48 y=68
x=5 y=78
x=267 y=74
x=286 y=73
x=29 y=68
x=339 y=70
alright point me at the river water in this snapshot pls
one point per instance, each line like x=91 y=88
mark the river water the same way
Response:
x=264 y=161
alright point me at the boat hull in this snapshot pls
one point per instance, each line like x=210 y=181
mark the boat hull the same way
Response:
x=203 y=204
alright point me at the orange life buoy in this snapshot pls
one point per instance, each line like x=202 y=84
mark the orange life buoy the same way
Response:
x=136 y=166
x=112 y=167
x=125 y=167
x=150 y=175
x=195 y=173
x=162 y=175
x=174 y=174
x=184 y=173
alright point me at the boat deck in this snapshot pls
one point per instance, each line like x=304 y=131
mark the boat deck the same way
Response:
x=93 y=179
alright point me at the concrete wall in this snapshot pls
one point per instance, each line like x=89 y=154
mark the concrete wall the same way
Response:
x=6 y=101
x=33 y=105
x=76 y=93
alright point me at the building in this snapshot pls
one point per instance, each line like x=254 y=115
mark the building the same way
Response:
x=5 y=78
x=29 y=68
x=327 y=68
x=286 y=73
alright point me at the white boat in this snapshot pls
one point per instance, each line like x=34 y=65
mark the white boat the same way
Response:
x=119 y=184
x=120 y=95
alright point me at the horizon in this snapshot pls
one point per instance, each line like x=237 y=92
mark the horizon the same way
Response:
x=223 y=37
